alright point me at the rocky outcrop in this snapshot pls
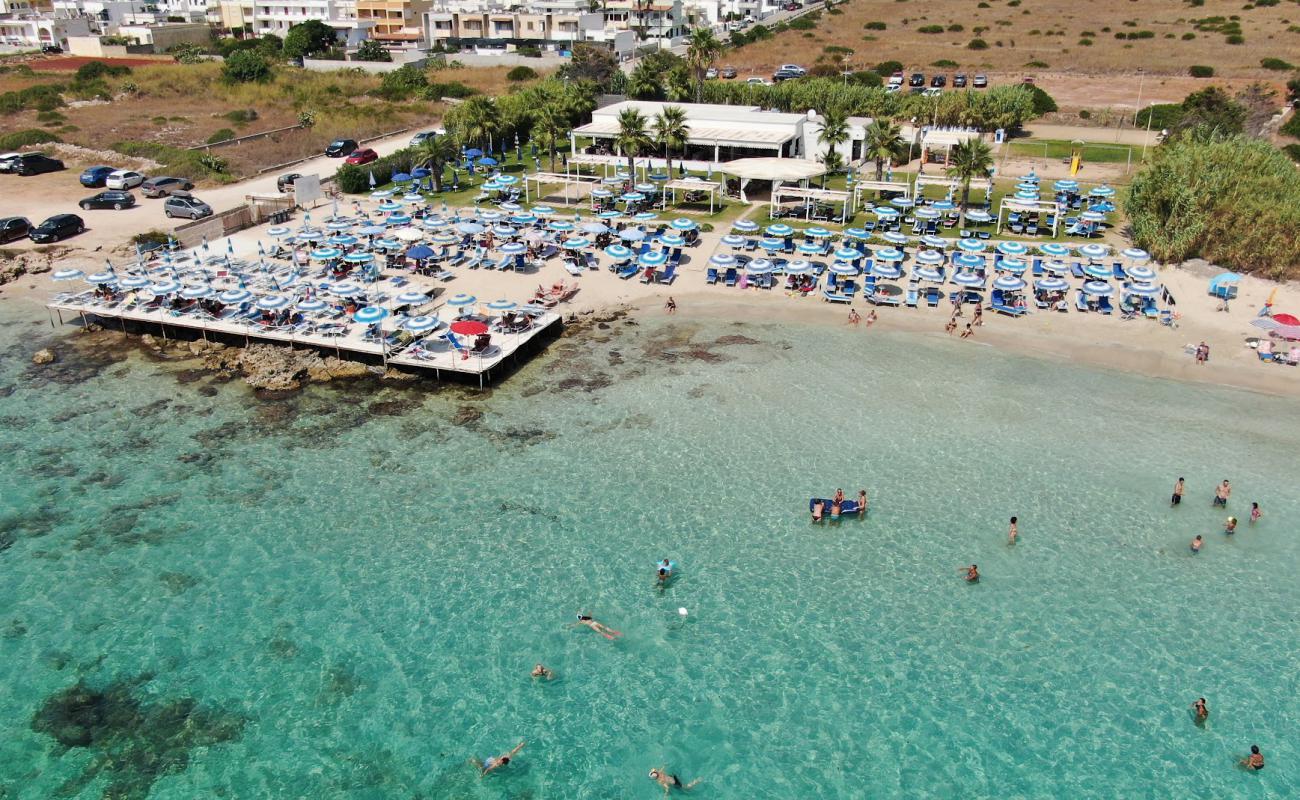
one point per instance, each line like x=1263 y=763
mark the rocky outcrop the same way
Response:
x=280 y=369
x=43 y=356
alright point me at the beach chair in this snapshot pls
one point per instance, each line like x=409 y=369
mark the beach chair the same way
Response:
x=730 y=277
x=751 y=244
x=668 y=275
x=835 y=297
x=1149 y=308
x=711 y=276
x=628 y=270
x=572 y=268
x=933 y=296
x=1076 y=269
x=1104 y=306
x=1037 y=268
x=984 y=235
x=1117 y=270
x=912 y=296
x=1080 y=301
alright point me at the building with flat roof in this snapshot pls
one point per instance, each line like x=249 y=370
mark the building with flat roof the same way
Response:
x=720 y=133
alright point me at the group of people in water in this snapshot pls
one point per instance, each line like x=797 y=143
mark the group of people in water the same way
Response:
x=837 y=506
x=664 y=571
x=1222 y=493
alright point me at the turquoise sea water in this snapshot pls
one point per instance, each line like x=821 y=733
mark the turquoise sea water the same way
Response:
x=341 y=594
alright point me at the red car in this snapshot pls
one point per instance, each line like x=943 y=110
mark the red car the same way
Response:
x=362 y=157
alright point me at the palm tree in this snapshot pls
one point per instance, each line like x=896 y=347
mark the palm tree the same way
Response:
x=971 y=159
x=478 y=119
x=835 y=132
x=671 y=131
x=436 y=153
x=704 y=47
x=883 y=139
x=632 y=139
x=549 y=124
x=645 y=82
x=831 y=160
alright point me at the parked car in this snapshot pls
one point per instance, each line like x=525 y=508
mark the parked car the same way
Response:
x=94 y=177
x=728 y=73
x=163 y=186
x=36 y=163
x=932 y=91
x=917 y=79
x=938 y=81
x=424 y=136
x=59 y=226
x=1028 y=80
x=792 y=68
x=123 y=179
x=114 y=199
x=896 y=80
x=183 y=204
x=959 y=80
x=363 y=156
x=12 y=228
x=980 y=82
x=792 y=6
x=51 y=49
x=8 y=161
x=785 y=75
x=284 y=183
x=340 y=148
x=757 y=81
x=711 y=74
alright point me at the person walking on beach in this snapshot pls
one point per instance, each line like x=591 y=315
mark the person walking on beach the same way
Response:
x=671 y=305
x=956 y=304
x=1255 y=761
x=1222 y=493
x=495 y=762
x=602 y=629
x=670 y=781
x=1202 y=353
x=1201 y=710
x=871 y=318
x=1013 y=532
x=1255 y=513
x=1196 y=544
x=978 y=319
x=854 y=316
x=1177 y=496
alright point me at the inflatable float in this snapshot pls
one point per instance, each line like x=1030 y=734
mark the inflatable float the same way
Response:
x=846 y=507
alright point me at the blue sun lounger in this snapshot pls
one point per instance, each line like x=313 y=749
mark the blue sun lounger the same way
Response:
x=711 y=276
x=836 y=297
x=1080 y=300
x=667 y=275
x=731 y=277
x=628 y=270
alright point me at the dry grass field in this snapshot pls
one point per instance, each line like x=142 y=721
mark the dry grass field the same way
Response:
x=1071 y=48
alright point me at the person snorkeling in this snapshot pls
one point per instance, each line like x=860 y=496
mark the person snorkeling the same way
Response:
x=598 y=627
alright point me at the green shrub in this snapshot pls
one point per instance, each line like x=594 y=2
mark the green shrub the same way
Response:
x=1292 y=151
x=930 y=29
x=246 y=66
x=865 y=78
x=521 y=73
x=1187 y=37
x=50 y=117
x=805 y=23
x=1043 y=102
x=241 y=116
x=1291 y=127
x=154 y=238
x=221 y=135
x=1276 y=64
x=1235 y=39
x=176 y=161
x=875 y=26
x=888 y=67
x=955 y=28
x=1161 y=116
x=1085 y=114
x=1036 y=64
x=456 y=89
x=402 y=83
x=1085 y=43
x=97 y=70
x=25 y=138
x=977 y=44
x=371 y=50
x=943 y=62
x=1233 y=201
x=355 y=180
x=42 y=97
x=1200 y=71
x=529 y=51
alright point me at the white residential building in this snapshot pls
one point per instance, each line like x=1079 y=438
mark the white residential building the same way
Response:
x=28 y=31
x=278 y=16
x=105 y=14
x=189 y=10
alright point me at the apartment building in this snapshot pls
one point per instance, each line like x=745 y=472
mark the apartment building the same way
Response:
x=278 y=16
x=395 y=23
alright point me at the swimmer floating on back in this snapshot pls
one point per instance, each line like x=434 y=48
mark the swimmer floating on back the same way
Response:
x=670 y=781
x=495 y=762
x=603 y=630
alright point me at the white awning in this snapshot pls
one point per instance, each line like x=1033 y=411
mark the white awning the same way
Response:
x=766 y=136
x=773 y=169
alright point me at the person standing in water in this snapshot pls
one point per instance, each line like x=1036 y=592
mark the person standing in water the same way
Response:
x=669 y=781
x=972 y=573
x=1230 y=527
x=1201 y=710
x=663 y=572
x=1178 y=493
x=1254 y=761
x=495 y=762
x=602 y=629
x=542 y=672
x=1255 y=513
x=862 y=502
x=1013 y=532
x=1196 y=544
x=1221 y=494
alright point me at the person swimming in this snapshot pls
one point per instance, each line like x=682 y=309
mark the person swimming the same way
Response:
x=1196 y=544
x=1255 y=761
x=1230 y=527
x=542 y=672
x=835 y=508
x=664 y=571
x=1201 y=710
x=495 y=762
x=972 y=574
x=670 y=781
x=603 y=630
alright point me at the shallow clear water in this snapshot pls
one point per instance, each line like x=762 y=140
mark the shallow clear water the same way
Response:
x=351 y=595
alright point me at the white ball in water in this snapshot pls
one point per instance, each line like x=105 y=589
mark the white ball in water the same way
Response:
x=681 y=611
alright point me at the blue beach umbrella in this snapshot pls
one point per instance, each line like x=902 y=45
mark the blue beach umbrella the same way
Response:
x=370 y=314
x=759 y=266
x=968 y=280
x=968 y=260
x=420 y=252
x=195 y=292
x=886 y=269
x=272 y=302
x=979 y=215
x=1140 y=273
x=618 y=252
x=345 y=289
x=847 y=254
x=420 y=324
x=560 y=226
x=631 y=234
x=1142 y=289
x=1099 y=271
x=779 y=229
x=733 y=240
x=842 y=269
x=798 y=267
x=1102 y=191
x=134 y=282
x=165 y=287
x=461 y=300
x=1098 y=288
x=672 y=240
x=856 y=233
x=231 y=296
x=890 y=254
x=1011 y=248
x=399 y=219
x=101 y=277
x=389 y=206
x=928 y=274
x=1054 y=249
x=971 y=245
x=894 y=237
x=816 y=232
x=1135 y=254
x=1093 y=250
x=312 y=305
x=902 y=202
x=502 y=305
x=885 y=212
x=412 y=298
x=1013 y=265
x=513 y=248
x=771 y=244
x=809 y=248
x=1051 y=284
x=594 y=228
x=683 y=224
x=745 y=225
x=723 y=260
x=931 y=258
x=576 y=243
x=943 y=205
x=930 y=240
x=1008 y=283
x=926 y=213
x=654 y=258
x=1056 y=266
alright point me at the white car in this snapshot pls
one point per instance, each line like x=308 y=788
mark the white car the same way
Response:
x=123 y=179
x=757 y=81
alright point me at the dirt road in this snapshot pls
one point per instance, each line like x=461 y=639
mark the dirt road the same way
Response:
x=41 y=196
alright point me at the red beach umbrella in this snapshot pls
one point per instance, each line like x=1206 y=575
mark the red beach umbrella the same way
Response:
x=1286 y=319
x=469 y=327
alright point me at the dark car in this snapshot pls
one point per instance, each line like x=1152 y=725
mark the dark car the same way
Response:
x=93 y=177
x=284 y=183
x=939 y=81
x=786 y=74
x=980 y=82
x=340 y=148
x=36 y=163
x=59 y=226
x=51 y=48
x=183 y=204
x=728 y=73
x=12 y=228
x=113 y=199
x=163 y=186
x=792 y=6
x=363 y=156
x=959 y=80
x=917 y=79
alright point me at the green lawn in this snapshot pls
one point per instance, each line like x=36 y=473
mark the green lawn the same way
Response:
x=1061 y=149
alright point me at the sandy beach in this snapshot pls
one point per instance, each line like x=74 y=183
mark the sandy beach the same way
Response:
x=1138 y=346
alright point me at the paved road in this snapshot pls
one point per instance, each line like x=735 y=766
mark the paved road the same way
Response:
x=42 y=196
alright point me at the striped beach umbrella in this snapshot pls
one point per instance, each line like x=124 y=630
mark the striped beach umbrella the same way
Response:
x=512 y=248
x=594 y=228
x=723 y=260
x=195 y=292
x=943 y=205
x=886 y=269
x=272 y=302
x=672 y=240
x=902 y=202
x=932 y=258
x=601 y=192
x=856 y=233
x=799 y=267
x=759 y=266
x=733 y=240
x=67 y=274
x=389 y=206
x=1008 y=283
x=461 y=300
x=847 y=254
x=894 y=237
x=489 y=215
x=885 y=212
x=575 y=243
x=1012 y=265
x=1093 y=250
x=745 y=225
x=560 y=226
x=1135 y=254
x=631 y=197
x=420 y=324
x=779 y=229
x=683 y=224
x=890 y=254
x=843 y=269
x=504 y=231
x=1066 y=185
x=971 y=245
x=358 y=258
x=817 y=233
x=1056 y=266
x=1140 y=273
x=506 y=180
x=771 y=244
x=312 y=305
x=926 y=213
x=618 y=252
x=541 y=211
x=968 y=280
x=809 y=248
x=231 y=296
x=134 y=282
x=1011 y=248
x=1051 y=284
x=398 y=219
x=1102 y=191
x=968 y=260
x=1054 y=249
x=502 y=305
x=370 y=314
x=1098 y=288
x=101 y=277
x=1098 y=271
x=1142 y=289
x=412 y=298
x=930 y=240
x=979 y=215
x=609 y=215
x=653 y=258
x=165 y=287
x=928 y=274
x=1092 y=216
